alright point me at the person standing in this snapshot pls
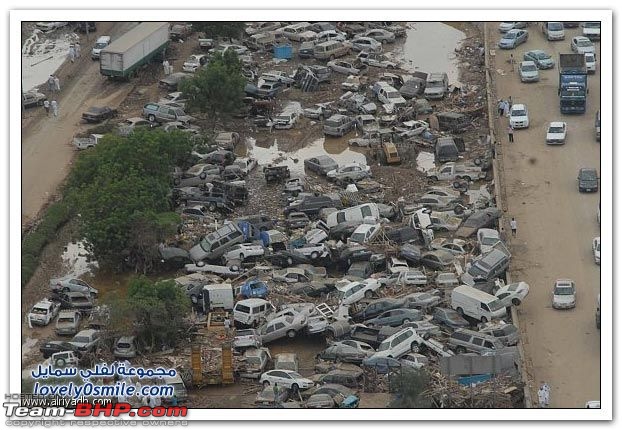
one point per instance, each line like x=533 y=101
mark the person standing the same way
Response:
x=506 y=108
x=57 y=83
x=77 y=49
x=500 y=107
x=46 y=106
x=509 y=102
x=510 y=133
x=227 y=323
x=54 y=106
x=275 y=390
x=51 y=84
x=72 y=53
x=513 y=226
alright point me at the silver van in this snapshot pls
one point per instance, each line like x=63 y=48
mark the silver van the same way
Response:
x=338 y=125
x=463 y=340
x=330 y=50
x=215 y=244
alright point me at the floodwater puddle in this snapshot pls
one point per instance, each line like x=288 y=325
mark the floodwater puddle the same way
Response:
x=76 y=260
x=338 y=149
x=430 y=47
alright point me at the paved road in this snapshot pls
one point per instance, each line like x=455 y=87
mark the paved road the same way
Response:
x=46 y=149
x=556 y=225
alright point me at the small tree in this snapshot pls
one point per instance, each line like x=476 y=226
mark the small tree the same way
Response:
x=408 y=384
x=213 y=29
x=217 y=88
x=158 y=311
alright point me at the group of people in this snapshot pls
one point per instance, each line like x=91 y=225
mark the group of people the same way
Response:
x=503 y=109
x=74 y=51
x=53 y=87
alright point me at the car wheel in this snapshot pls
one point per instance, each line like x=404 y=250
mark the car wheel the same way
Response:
x=405 y=320
x=176 y=181
x=241 y=256
x=461 y=350
x=369 y=294
x=432 y=179
x=203 y=175
x=478 y=161
x=266 y=383
x=314 y=255
x=484 y=319
x=289 y=261
x=291 y=334
x=200 y=263
x=151 y=118
x=194 y=299
x=516 y=301
x=60 y=362
x=212 y=207
x=295 y=388
x=460 y=311
x=415 y=347
x=458 y=210
x=383 y=41
x=332 y=57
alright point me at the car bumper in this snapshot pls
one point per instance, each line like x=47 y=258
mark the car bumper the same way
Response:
x=556 y=37
x=505 y=46
x=588 y=189
x=564 y=305
x=530 y=78
x=520 y=124
x=554 y=141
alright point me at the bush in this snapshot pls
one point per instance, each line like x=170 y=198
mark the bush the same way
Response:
x=34 y=242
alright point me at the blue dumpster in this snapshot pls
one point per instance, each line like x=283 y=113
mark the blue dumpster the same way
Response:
x=283 y=51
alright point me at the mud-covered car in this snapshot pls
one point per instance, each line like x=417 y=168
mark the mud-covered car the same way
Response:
x=97 y=114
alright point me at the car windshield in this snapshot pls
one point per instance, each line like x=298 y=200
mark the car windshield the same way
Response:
x=583 y=43
x=519 y=112
x=81 y=339
x=564 y=290
x=511 y=35
x=434 y=84
x=589 y=57
x=358 y=237
x=592 y=25
x=284 y=118
x=65 y=320
x=253 y=360
x=556 y=26
x=490 y=240
x=384 y=346
x=100 y=45
x=542 y=55
x=588 y=175
x=295 y=375
x=495 y=305
x=529 y=68
x=556 y=129
x=330 y=123
x=394 y=95
x=39 y=311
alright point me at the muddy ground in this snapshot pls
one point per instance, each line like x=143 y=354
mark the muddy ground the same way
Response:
x=47 y=154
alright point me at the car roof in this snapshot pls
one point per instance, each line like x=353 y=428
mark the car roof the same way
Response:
x=557 y=124
x=518 y=106
x=88 y=332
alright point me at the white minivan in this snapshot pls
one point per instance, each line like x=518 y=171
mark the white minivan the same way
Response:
x=100 y=43
x=476 y=304
x=249 y=312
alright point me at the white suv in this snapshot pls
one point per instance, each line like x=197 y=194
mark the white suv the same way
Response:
x=519 y=116
x=401 y=343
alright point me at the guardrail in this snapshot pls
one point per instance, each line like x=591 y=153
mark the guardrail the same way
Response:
x=500 y=197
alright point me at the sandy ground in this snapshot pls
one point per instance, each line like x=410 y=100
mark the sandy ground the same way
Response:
x=556 y=225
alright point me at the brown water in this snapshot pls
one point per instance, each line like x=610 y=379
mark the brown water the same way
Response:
x=429 y=48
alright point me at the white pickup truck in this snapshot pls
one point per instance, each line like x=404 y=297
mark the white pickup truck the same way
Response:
x=452 y=171
x=87 y=142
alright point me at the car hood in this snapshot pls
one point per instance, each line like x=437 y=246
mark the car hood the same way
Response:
x=433 y=90
x=519 y=118
x=566 y=299
x=555 y=136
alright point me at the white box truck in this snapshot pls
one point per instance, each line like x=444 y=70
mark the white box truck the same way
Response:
x=476 y=304
x=217 y=296
x=140 y=45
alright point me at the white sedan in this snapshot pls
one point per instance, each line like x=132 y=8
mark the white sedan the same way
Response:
x=582 y=45
x=596 y=249
x=513 y=294
x=285 y=379
x=364 y=233
x=243 y=251
x=556 y=133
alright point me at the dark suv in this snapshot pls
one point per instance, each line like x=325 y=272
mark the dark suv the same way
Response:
x=588 y=180
x=311 y=205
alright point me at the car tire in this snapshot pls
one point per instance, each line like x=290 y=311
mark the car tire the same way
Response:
x=369 y=294
x=478 y=161
x=516 y=301
x=211 y=207
x=200 y=263
x=432 y=179
x=405 y=320
x=203 y=175
x=151 y=118
x=460 y=349
x=291 y=334
x=266 y=383
x=314 y=255
x=460 y=311
x=294 y=388
x=290 y=261
x=194 y=299
x=331 y=58
x=459 y=210
x=60 y=362
x=416 y=348
x=484 y=319
x=176 y=181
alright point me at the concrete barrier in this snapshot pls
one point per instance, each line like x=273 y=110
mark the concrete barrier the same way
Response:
x=501 y=198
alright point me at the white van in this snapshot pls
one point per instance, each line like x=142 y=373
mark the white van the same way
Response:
x=476 y=304
x=249 y=312
x=100 y=43
x=217 y=296
x=355 y=213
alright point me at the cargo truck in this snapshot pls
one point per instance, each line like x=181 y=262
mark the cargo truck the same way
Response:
x=572 y=89
x=144 y=43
